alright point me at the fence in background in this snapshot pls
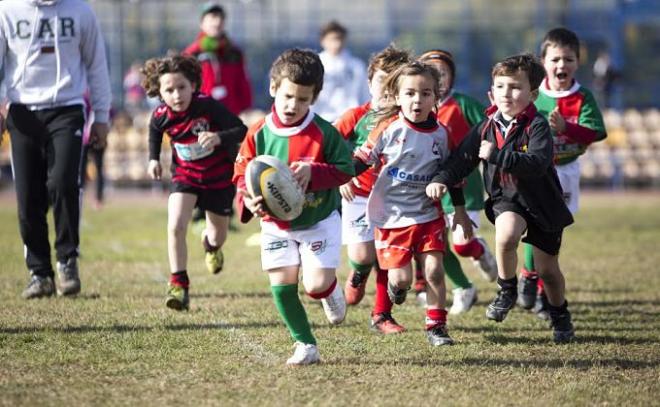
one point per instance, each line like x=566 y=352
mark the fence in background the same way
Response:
x=478 y=32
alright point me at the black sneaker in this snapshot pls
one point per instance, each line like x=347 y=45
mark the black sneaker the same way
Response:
x=68 y=278
x=397 y=295
x=562 y=327
x=541 y=307
x=527 y=291
x=501 y=305
x=438 y=335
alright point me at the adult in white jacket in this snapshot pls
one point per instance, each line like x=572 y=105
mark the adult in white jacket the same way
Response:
x=51 y=52
x=345 y=83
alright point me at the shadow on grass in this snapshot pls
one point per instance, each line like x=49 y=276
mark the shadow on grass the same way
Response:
x=615 y=303
x=581 y=339
x=138 y=328
x=232 y=295
x=582 y=364
x=172 y=327
x=498 y=328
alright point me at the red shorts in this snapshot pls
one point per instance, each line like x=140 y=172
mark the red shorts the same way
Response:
x=395 y=247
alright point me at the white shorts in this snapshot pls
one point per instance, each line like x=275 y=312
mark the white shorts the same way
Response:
x=569 y=178
x=316 y=247
x=354 y=226
x=475 y=216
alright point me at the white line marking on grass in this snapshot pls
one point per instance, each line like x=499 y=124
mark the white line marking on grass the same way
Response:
x=157 y=276
x=254 y=349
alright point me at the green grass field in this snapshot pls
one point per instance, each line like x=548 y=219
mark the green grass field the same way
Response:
x=116 y=344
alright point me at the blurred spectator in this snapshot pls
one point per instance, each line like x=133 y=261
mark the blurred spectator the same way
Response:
x=134 y=95
x=605 y=75
x=223 y=68
x=345 y=82
x=96 y=151
x=5 y=148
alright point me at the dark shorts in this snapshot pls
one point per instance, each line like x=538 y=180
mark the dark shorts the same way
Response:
x=549 y=242
x=218 y=201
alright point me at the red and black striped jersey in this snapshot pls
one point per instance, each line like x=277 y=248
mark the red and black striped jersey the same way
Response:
x=191 y=163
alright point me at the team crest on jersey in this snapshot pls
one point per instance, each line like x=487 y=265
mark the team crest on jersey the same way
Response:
x=311 y=201
x=435 y=149
x=199 y=125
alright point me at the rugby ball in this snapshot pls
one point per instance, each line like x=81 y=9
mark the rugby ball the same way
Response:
x=271 y=178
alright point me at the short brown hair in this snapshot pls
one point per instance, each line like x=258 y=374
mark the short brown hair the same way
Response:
x=154 y=68
x=527 y=63
x=333 y=27
x=562 y=37
x=387 y=60
x=300 y=66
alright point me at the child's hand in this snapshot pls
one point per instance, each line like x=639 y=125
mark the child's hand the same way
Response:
x=154 y=169
x=302 y=172
x=435 y=190
x=486 y=149
x=462 y=218
x=208 y=139
x=556 y=120
x=346 y=191
x=254 y=205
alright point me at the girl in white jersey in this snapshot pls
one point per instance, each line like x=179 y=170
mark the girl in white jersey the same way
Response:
x=410 y=146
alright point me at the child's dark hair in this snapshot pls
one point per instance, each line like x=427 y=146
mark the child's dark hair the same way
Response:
x=388 y=60
x=441 y=55
x=333 y=27
x=300 y=66
x=154 y=68
x=562 y=37
x=527 y=63
x=393 y=82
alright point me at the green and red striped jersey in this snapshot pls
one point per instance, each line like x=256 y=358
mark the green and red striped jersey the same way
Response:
x=314 y=141
x=355 y=125
x=584 y=121
x=459 y=113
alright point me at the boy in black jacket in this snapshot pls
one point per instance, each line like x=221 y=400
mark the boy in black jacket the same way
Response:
x=524 y=194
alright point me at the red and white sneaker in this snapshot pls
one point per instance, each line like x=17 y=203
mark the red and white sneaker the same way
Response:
x=385 y=324
x=355 y=287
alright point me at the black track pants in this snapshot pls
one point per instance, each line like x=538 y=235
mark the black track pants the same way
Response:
x=46 y=151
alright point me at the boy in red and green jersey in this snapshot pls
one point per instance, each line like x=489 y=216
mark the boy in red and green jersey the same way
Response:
x=583 y=120
x=320 y=161
x=576 y=122
x=314 y=141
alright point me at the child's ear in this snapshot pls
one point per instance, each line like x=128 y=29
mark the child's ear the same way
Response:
x=272 y=88
x=535 y=94
x=396 y=100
